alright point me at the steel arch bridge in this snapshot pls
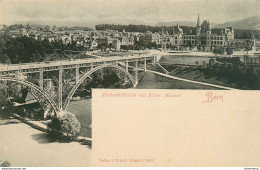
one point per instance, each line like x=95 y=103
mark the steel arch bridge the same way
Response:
x=38 y=90
x=68 y=75
x=73 y=90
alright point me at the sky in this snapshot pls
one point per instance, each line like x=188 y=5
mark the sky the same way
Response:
x=150 y=12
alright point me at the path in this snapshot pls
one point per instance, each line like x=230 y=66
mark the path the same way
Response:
x=191 y=81
x=154 y=81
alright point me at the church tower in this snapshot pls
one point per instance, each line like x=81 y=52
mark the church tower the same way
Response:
x=198 y=21
x=198 y=29
x=253 y=40
x=209 y=28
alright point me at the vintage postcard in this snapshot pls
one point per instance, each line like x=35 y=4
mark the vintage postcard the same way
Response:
x=129 y=83
x=178 y=128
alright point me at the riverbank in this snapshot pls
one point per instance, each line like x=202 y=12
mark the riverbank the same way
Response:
x=24 y=146
x=83 y=112
x=194 y=68
x=153 y=81
x=200 y=74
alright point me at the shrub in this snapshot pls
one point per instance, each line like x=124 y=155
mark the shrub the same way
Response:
x=65 y=124
x=5 y=164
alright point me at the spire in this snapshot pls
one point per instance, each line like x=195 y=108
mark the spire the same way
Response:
x=198 y=21
x=209 y=27
x=178 y=27
x=252 y=35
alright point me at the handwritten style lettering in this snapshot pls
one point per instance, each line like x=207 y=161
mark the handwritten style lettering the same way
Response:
x=211 y=98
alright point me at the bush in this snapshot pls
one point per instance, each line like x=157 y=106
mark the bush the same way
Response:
x=5 y=164
x=65 y=124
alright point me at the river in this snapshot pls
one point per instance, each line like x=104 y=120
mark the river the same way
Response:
x=82 y=110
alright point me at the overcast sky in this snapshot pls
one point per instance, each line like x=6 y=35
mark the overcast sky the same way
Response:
x=90 y=12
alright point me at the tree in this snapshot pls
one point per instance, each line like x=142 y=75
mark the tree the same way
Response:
x=169 y=46
x=218 y=50
x=5 y=59
x=110 y=45
x=199 y=47
x=28 y=26
x=229 y=51
x=65 y=124
x=211 y=62
x=124 y=47
x=246 y=58
x=137 y=47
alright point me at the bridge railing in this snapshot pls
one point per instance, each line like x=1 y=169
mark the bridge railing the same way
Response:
x=7 y=67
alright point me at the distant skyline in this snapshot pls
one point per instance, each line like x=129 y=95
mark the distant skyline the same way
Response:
x=149 y=12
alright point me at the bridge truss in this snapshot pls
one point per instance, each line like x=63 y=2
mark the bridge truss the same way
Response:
x=57 y=81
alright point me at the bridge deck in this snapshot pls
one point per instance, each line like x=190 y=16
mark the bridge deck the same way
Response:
x=10 y=67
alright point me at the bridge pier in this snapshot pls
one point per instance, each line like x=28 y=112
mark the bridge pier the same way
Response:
x=155 y=59
x=126 y=66
x=136 y=72
x=48 y=68
x=41 y=78
x=60 y=88
x=77 y=74
x=144 y=64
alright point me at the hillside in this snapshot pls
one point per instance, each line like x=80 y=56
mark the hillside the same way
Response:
x=173 y=23
x=248 y=23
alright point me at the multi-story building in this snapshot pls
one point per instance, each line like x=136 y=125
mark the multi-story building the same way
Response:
x=126 y=41
x=203 y=38
x=116 y=44
x=165 y=39
x=146 y=38
x=177 y=36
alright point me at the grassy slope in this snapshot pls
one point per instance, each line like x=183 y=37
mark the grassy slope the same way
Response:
x=196 y=74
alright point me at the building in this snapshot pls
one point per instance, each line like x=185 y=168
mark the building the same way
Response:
x=116 y=44
x=126 y=41
x=204 y=38
x=146 y=38
x=178 y=36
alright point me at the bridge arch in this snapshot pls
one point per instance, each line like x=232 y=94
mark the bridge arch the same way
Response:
x=73 y=90
x=31 y=85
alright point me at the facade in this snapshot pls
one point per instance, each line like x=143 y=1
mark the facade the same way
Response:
x=146 y=38
x=126 y=40
x=116 y=44
x=203 y=38
x=178 y=36
x=102 y=40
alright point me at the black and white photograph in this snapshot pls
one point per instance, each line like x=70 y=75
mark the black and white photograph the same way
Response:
x=53 y=53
